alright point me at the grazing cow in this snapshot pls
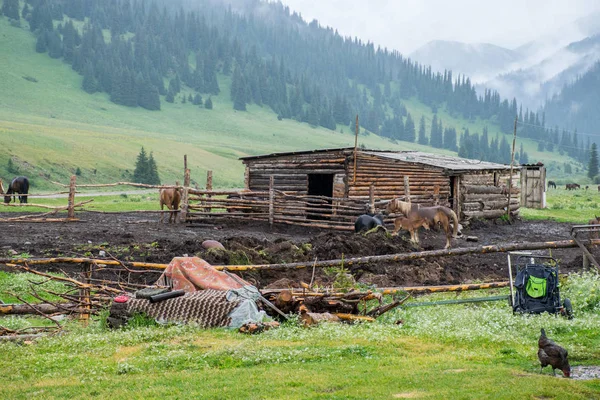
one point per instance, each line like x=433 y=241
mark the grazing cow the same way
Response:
x=19 y=185
x=169 y=197
x=586 y=187
x=551 y=184
x=367 y=222
x=572 y=186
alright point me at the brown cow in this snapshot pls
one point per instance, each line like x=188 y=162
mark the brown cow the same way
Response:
x=171 y=198
x=594 y=221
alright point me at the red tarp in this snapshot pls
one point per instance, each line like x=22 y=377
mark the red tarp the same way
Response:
x=193 y=273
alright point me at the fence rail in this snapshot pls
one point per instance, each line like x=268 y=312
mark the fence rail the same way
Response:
x=272 y=206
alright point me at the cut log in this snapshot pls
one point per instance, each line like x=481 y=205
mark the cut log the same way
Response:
x=22 y=309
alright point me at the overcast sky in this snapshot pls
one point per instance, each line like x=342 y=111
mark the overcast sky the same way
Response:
x=405 y=25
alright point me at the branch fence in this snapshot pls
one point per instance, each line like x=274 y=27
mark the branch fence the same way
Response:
x=272 y=206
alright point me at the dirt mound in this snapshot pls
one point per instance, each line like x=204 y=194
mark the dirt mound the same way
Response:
x=334 y=245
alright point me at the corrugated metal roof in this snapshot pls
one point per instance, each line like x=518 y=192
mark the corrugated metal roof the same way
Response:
x=441 y=161
x=445 y=162
x=293 y=153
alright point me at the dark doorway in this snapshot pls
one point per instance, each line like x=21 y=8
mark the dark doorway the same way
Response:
x=454 y=200
x=320 y=185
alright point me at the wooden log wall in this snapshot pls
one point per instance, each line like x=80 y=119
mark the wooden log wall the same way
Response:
x=388 y=177
x=484 y=194
x=291 y=171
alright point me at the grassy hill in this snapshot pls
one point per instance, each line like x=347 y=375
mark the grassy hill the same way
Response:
x=50 y=127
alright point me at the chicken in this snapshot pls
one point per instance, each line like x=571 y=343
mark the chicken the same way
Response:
x=552 y=354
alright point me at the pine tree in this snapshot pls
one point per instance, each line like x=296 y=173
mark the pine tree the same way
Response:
x=152 y=178
x=89 y=83
x=197 y=101
x=593 y=164
x=522 y=155
x=170 y=97
x=409 y=129
x=208 y=104
x=11 y=168
x=141 y=167
x=436 y=138
x=41 y=45
x=422 y=137
x=55 y=48
x=10 y=8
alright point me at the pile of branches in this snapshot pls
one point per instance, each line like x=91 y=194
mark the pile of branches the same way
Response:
x=79 y=299
x=315 y=307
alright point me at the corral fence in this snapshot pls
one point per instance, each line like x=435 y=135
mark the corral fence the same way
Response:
x=197 y=205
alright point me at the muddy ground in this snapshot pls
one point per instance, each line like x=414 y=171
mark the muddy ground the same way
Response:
x=135 y=237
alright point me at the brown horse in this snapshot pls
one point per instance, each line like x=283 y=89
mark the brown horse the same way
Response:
x=411 y=225
x=432 y=215
x=169 y=197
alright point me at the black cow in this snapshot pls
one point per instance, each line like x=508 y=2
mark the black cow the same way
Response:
x=19 y=185
x=367 y=222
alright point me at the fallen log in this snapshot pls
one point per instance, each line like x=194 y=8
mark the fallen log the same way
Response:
x=498 y=248
x=22 y=309
x=561 y=244
x=407 y=289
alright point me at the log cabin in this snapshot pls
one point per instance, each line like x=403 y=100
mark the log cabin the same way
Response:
x=473 y=188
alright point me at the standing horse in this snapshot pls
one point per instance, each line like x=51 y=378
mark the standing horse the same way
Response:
x=19 y=185
x=432 y=215
x=551 y=184
x=169 y=197
x=412 y=225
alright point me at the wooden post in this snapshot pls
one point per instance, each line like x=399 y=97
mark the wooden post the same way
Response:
x=406 y=189
x=355 y=149
x=209 y=186
x=512 y=160
x=271 y=200
x=85 y=294
x=185 y=198
x=586 y=261
x=71 y=204
x=184 y=165
x=436 y=195
x=372 y=199
x=247 y=178
x=186 y=177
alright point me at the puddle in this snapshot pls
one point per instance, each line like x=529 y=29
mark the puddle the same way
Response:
x=585 y=372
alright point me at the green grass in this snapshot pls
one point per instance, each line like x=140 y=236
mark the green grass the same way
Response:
x=461 y=351
x=576 y=206
x=51 y=127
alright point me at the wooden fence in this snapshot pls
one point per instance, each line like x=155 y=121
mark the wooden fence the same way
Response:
x=54 y=210
x=272 y=206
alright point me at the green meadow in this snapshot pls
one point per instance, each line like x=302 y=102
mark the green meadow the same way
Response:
x=50 y=127
x=456 y=351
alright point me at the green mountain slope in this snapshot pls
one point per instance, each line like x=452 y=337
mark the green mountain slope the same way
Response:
x=49 y=127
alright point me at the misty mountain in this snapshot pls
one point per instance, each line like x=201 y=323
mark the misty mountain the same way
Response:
x=576 y=107
x=540 y=81
x=532 y=72
x=479 y=61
